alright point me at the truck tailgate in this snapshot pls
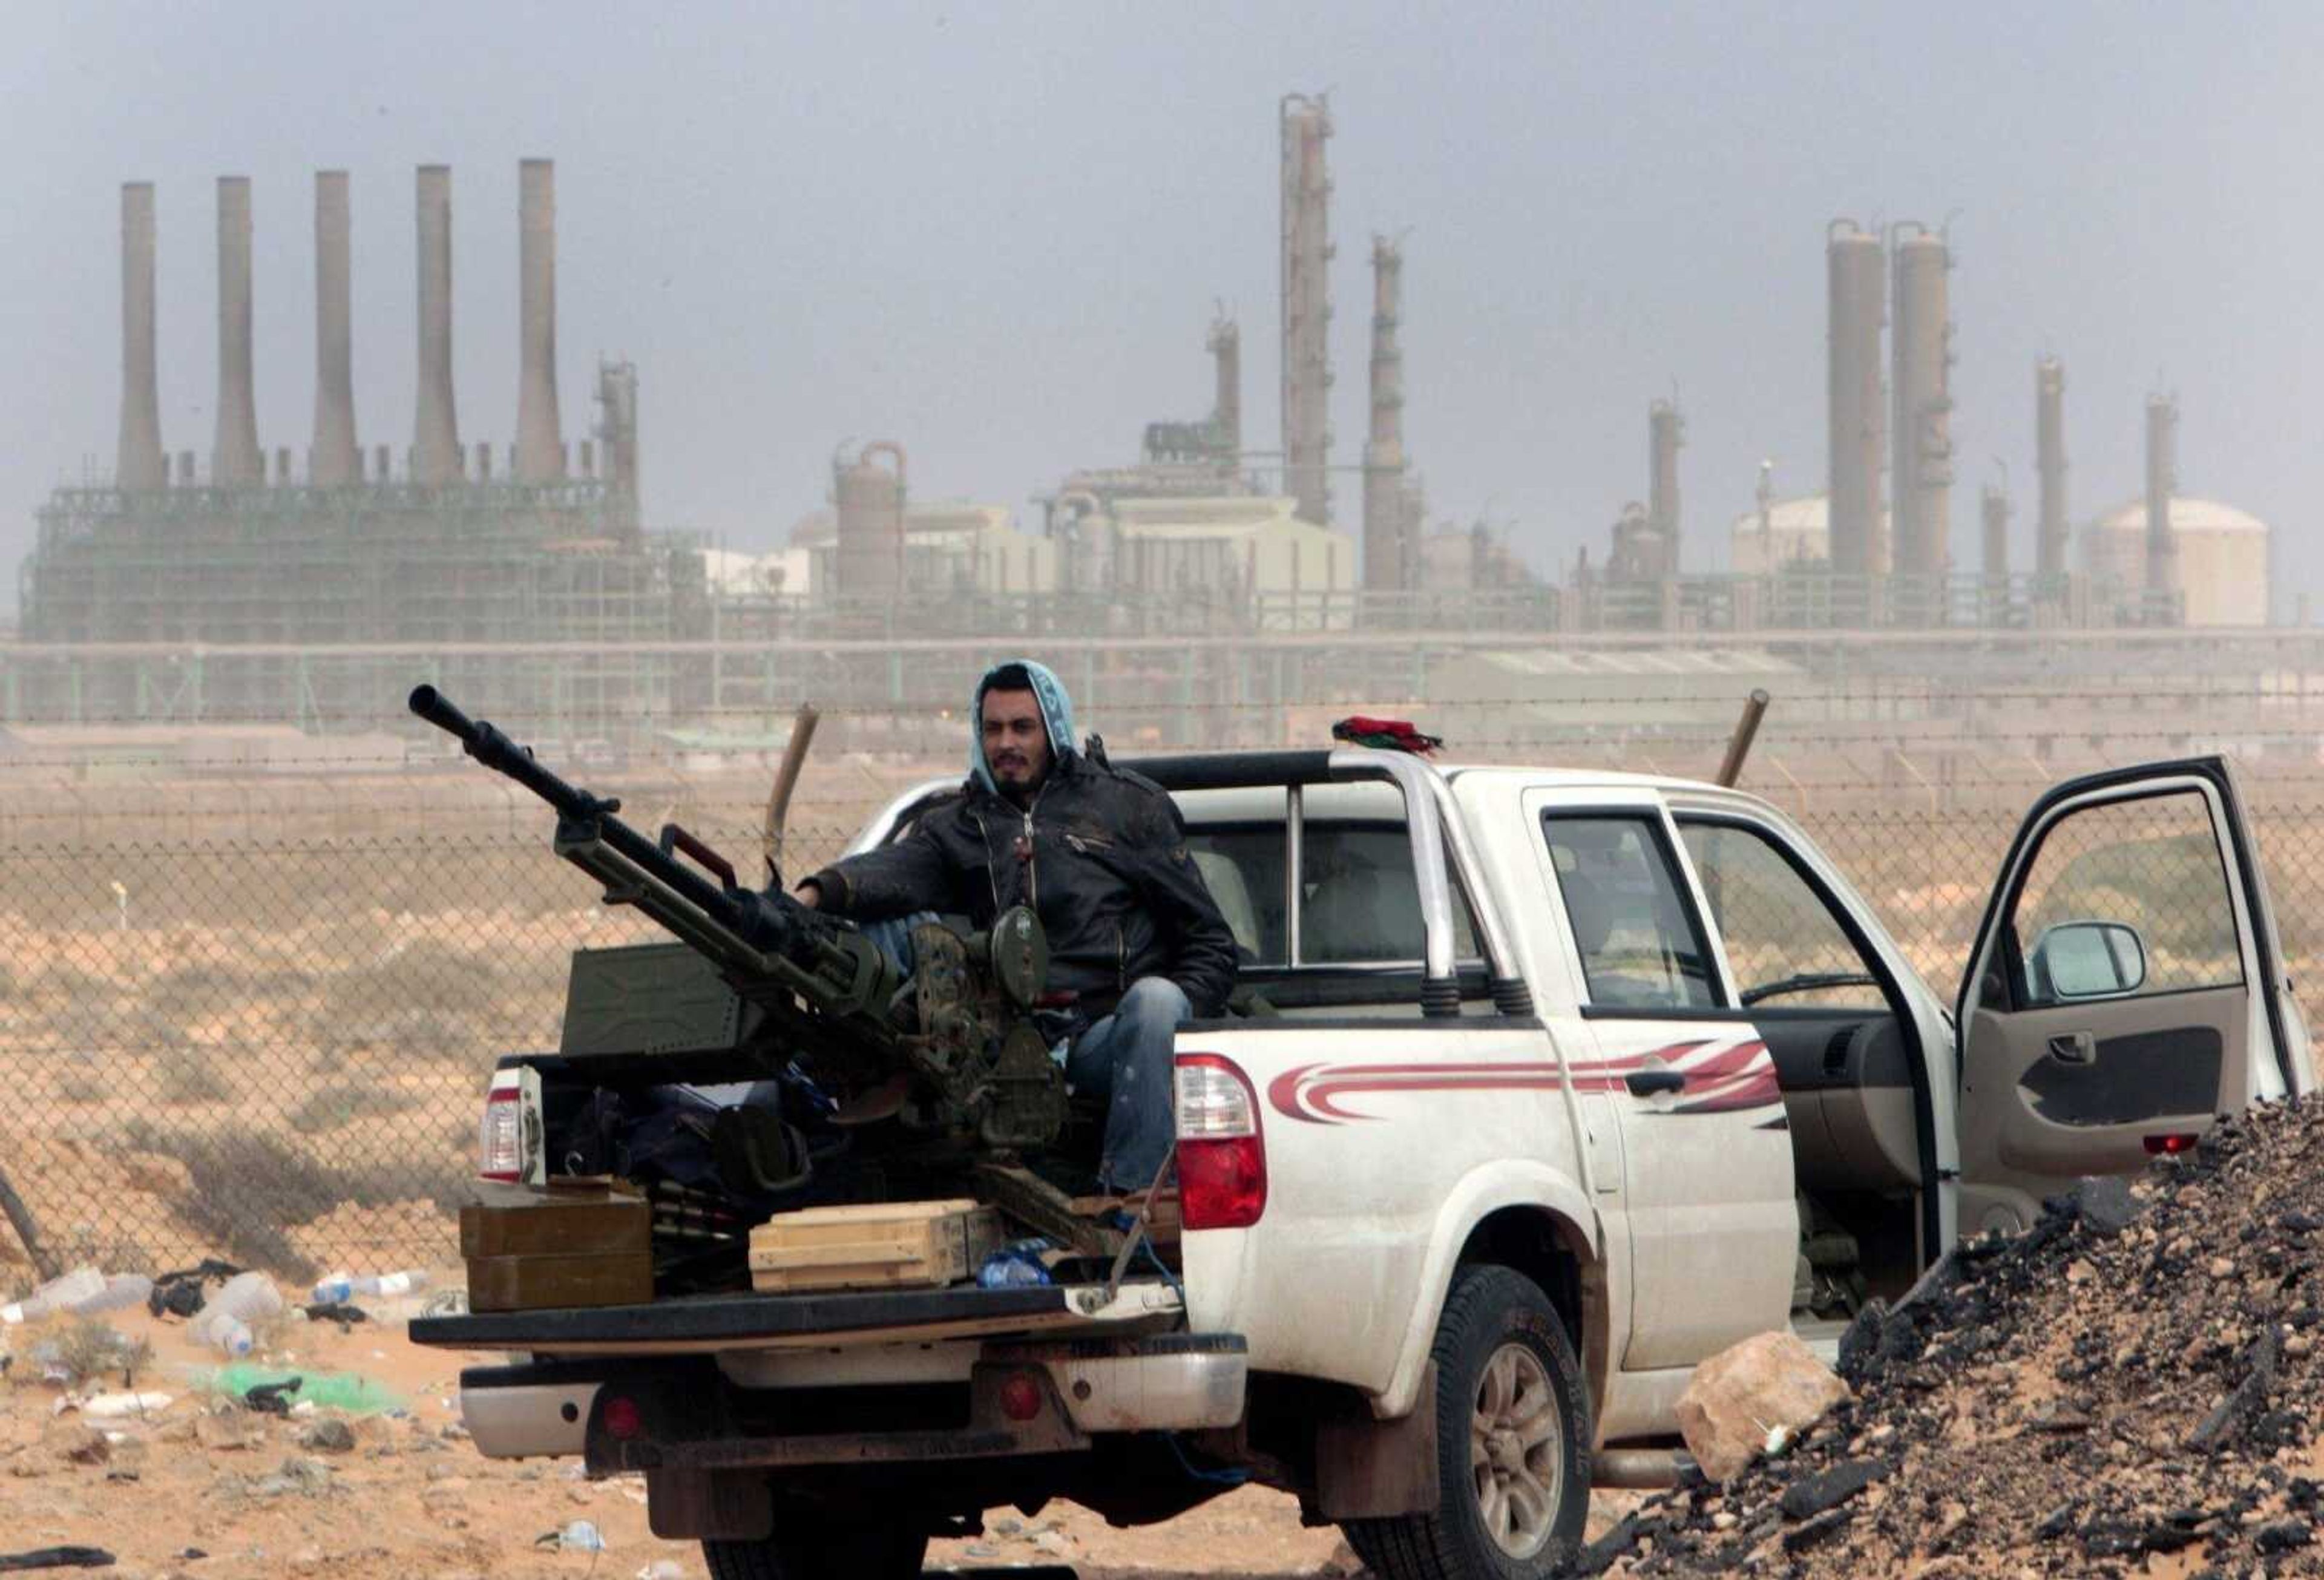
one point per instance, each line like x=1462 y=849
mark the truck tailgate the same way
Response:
x=701 y=1324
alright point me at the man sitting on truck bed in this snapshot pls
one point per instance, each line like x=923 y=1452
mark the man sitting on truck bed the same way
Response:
x=1135 y=943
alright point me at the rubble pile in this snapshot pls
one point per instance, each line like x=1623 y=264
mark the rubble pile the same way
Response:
x=2131 y=1387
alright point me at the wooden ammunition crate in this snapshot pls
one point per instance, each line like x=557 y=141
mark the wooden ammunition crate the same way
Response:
x=901 y=1244
x=527 y=1248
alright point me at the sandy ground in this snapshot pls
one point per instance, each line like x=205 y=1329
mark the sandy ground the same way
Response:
x=258 y=1496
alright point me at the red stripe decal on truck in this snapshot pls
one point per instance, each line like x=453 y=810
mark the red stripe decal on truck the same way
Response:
x=1726 y=1080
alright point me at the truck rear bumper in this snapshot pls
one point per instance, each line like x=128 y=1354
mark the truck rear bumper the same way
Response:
x=1164 y=1382
x=710 y=1324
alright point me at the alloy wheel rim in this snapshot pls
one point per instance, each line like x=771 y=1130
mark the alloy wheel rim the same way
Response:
x=1517 y=1452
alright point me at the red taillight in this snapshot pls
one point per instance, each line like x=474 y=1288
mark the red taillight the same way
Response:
x=623 y=1419
x=500 y=1137
x=2171 y=1145
x=1222 y=1151
x=1020 y=1397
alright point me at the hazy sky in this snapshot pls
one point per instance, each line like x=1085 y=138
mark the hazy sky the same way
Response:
x=995 y=233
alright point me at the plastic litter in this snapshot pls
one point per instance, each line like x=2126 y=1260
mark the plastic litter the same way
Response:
x=178 y=1294
x=337 y=1312
x=224 y=1322
x=340 y=1391
x=59 y=1557
x=340 y=1287
x=122 y=1291
x=271 y=1398
x=663 y=1569
x=1015 y=1266
x=580 y=1537
x=106 y=1406
x=59 y=1294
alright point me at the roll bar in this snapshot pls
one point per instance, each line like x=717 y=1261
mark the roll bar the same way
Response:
x=1441 y=846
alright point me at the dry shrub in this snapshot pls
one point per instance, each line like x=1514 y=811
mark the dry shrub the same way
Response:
x=80 y=1085
x=92 y=1350
x=248 y=1188
x=343 y=1103
x=191 y=1076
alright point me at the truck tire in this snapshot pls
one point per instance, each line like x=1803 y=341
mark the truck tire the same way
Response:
x=819 y=1551
x=1512 y=1443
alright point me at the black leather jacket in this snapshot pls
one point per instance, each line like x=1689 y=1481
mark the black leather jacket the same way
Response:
x=1101 y=856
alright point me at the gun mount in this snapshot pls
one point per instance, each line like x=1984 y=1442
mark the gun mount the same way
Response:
x=949 y=1051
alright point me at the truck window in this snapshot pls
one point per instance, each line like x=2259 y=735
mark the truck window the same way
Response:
x=2134 y=890
x=1359 y=903
x=1783 y=944
x=1642 y=945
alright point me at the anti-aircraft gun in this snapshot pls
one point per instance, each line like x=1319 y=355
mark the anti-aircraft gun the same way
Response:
x=763 y=987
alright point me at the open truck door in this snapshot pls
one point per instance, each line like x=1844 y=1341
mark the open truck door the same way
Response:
x=2126 y=988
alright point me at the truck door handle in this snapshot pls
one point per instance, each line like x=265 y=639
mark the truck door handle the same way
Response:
x=1647 y=1083
x=2075 y=1048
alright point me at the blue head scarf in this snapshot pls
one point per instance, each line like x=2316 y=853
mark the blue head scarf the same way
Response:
x=1057 y=714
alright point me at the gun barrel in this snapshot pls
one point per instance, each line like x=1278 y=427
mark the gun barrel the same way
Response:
x=744 y=926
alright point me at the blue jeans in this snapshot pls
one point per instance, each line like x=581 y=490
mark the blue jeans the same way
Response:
x=1126 y=1058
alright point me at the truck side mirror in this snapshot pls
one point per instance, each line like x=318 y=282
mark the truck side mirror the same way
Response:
x=2076 y=960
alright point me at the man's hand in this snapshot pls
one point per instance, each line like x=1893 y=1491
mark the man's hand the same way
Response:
x=810 y=894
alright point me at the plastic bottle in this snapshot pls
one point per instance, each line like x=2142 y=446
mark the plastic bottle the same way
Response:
x=121 y=1290
x=340 y=1287
x=224 y=1322
x=58 y=1294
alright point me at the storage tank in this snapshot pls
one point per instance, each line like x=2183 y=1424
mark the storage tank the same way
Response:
x=870 y=498
x=2221 y=562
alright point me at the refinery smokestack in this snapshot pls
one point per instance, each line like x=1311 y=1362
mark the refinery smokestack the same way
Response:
x=1665 y=432
x=1994 y=512
x=1920 y=478
x=435 y=435
x=336 y=459
x=140 y=464
x=539 y=442
x=1306 y=122
x=2162 y=482
x=1225 y=346
x=234 y=461
x=2050 y=460
x=1858 y=302
x=1384 y=534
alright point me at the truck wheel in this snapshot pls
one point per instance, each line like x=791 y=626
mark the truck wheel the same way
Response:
x=1512 y=1443
x=820 y=1551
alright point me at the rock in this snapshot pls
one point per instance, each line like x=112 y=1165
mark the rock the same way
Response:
x=1055 y=1543
x=1771 y=1381
x=1343 y=1563
x=328 y=1436
x=1801 y=1538
x=2107 y=1204
x=75 y=1443
x=227 y=1433
x=2284 y=1535
x=1828 y=1489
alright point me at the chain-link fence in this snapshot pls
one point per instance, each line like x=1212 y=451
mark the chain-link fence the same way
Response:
x=276 y=1051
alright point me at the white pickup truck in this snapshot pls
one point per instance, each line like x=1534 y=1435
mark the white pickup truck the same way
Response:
x=1553 y=1085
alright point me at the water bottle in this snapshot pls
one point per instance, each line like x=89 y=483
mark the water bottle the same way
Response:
x=340 y=1287
x=223 y=1323
x=121 y=1290
x=59 y=1294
